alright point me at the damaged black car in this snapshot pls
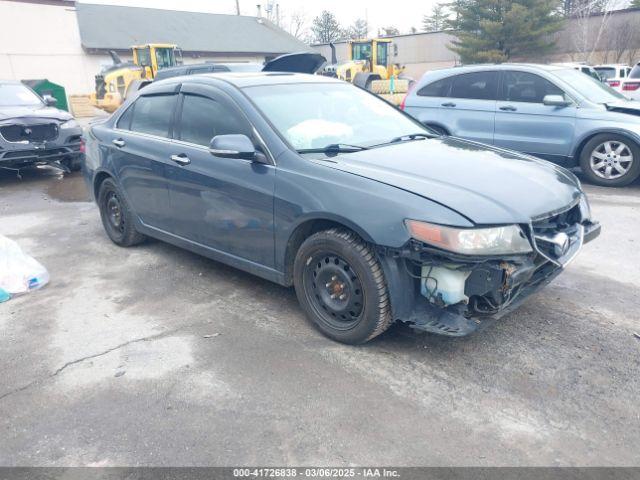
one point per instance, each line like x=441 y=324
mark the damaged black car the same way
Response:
x=311 y=182
x=34 y=132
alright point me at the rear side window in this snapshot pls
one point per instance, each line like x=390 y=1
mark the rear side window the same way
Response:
x=635 y=72
x=203 y=118
x=152 y=114
x=439 y=88
x=527 y=87
x=478 y=86
x=124 y=122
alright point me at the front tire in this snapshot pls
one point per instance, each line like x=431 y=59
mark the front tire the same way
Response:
x=341 y=286
x=610 y=160
x=116 y=215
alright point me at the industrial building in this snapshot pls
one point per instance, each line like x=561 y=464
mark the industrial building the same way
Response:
x=68 y=42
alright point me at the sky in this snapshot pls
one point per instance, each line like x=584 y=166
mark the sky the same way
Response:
x=381 y=13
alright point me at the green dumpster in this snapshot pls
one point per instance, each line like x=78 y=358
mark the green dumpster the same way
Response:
x=44 y=87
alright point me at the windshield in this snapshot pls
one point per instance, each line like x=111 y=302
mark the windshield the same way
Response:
x=316 y=115
x=13 y=94
x=589 y=87
x=606 y=72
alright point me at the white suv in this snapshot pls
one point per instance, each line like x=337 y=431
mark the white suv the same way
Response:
x=631 y=86
x=613 y=74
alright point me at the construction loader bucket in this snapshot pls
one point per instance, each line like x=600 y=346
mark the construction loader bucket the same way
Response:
x=380 y=87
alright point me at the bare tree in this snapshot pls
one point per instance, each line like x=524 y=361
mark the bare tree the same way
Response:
x=588 y=26
x=358 y=30
x=299 y=25
x=622 y=38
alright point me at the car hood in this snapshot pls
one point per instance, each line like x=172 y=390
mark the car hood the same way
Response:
x=302 y=62
x=49 y=113
x=487 y=185
x=630 y=107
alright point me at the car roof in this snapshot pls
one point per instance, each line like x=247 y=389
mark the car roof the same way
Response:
x=503 y=66
x=10 y=82
x=252 y=79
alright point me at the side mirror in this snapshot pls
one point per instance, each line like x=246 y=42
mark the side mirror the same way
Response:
x=235 y=146
x=49 y=101
x=555 y=101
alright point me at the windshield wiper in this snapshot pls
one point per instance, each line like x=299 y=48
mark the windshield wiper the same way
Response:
x=334 y=149
x=409 y=137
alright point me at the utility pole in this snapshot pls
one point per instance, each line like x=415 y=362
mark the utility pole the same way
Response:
x=237 y=7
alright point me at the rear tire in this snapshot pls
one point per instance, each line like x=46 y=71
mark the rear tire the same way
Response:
x=610 y=160
x=74 y=164
x=116 y=215
x=341 y=286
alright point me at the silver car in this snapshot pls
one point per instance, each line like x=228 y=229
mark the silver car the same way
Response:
x=552 y=112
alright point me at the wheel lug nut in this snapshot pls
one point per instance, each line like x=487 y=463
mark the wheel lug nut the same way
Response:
x=343 y=296
x=334 y=278
x=328 y=284
x=333 y=296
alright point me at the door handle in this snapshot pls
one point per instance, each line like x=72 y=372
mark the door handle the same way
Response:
x=181 y=159
x=508 y=108
x=449 y=104
x=118 y=143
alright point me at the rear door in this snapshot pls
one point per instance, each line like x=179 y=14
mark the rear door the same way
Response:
x=139 y=145
x=222 y=203
x=471 y=107
x=426 y=104
x=525 y=124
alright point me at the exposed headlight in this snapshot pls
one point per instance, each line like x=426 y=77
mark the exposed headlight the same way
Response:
x=70 y=124
x=585 y=208
x=505 y=240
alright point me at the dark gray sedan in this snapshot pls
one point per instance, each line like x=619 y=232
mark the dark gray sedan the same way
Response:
x=34 y=132
x=311 y=182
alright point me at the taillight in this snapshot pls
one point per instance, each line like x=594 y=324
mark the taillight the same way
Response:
x=631 y=86
x=404 y=101
x=403 y=104
x=613 y=83
x=83 y=147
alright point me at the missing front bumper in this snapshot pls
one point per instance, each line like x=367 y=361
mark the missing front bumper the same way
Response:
x=493 y=287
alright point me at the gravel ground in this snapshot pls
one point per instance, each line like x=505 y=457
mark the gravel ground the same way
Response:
x=156 y=356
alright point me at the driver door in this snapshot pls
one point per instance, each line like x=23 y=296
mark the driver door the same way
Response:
x=225 y=204
x=524 y=123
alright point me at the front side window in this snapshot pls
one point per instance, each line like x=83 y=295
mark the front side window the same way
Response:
x=15 y=94
x=164 y=57
x=382 y=53
x=152 y=114
x=203 y=118
x=478 y=86
x=527 y=87
x=361 y=51
x=439 y=88
x=144 y=56
x=315 y=115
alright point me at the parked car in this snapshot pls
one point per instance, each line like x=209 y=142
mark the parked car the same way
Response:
x=613 y=74
x=301 y=62
x=34 y=132
x=631 y=86
x=548 y=111
x=582 y=67
x=312 y=182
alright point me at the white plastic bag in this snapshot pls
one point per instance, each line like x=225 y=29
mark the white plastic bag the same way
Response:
x=19 y=273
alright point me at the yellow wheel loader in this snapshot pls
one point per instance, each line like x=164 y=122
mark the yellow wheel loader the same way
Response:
x=114 y=82
x=369 y=67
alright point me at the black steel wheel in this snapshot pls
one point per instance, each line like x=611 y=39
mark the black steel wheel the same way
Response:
x=340 y=285
x=116 y=215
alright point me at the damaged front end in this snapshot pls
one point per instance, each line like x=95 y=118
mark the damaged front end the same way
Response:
x=445 y=288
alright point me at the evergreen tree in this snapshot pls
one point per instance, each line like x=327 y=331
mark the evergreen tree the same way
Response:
x=325 y=28
x=635 y=4
x=436 y=21
x=499 y=30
